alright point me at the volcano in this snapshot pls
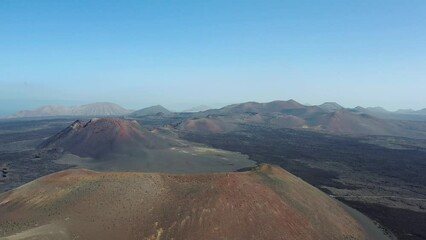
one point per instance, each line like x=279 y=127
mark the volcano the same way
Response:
x=102 y=136
x=113 y=144
x=264 y=203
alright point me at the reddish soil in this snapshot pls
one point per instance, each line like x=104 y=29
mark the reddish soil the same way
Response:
x=101 y=136
x=265 y=203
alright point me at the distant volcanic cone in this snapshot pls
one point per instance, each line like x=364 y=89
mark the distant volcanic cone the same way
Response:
x=111 y=144
x=101 y=136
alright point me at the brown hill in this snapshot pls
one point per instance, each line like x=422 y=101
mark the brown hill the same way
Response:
x=110 y=144
x=287 y=121
x=101 y=136
x=346 y=122
x=255 y=107
x=290 y=114
x=208 y=125
x=265 y=203
x=220 y=123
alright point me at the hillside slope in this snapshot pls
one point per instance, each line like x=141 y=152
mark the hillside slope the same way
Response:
x=101 y=136
x=328 y=118
x=113 y=144
x=265 y=203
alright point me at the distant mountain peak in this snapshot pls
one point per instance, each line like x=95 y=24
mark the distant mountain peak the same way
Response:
x=153 y=110
x=287 y=104
x=330 y=106
x=91 y=109
x=269 y=107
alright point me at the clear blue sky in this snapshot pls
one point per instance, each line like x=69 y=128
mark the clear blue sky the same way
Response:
x=185 y=53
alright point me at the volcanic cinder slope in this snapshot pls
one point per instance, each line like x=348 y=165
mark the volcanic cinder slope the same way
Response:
x=264 y=203
x=112 y=144
x=101 y=136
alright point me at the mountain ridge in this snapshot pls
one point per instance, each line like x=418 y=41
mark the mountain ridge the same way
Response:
x=92 y=109
x=152 y=110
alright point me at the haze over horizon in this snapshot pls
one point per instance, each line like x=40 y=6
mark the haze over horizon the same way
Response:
x=184 y=54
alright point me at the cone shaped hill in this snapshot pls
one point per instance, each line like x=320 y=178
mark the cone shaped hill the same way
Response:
x=263 y=203
x=113 y=144
x=102 y=136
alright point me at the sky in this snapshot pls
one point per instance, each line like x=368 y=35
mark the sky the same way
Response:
x=186 y=53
